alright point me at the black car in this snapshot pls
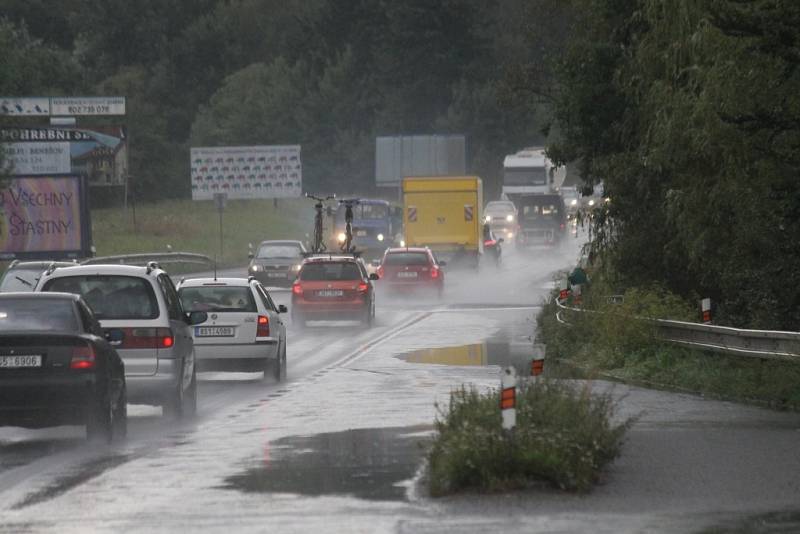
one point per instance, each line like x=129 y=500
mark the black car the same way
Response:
x=543 y=220
x=276 y=263
x=56 y=367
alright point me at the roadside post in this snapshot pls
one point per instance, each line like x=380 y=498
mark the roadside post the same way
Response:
x=220 y=199
x=705 y=306
x=537 y=363
x=508 y=398
x=563 y=291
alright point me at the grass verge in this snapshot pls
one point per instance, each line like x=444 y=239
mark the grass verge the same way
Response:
x=193 y=226
x=617 y=347
x=564 y=436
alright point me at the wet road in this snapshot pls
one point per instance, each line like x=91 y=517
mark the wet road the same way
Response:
x=340 y=445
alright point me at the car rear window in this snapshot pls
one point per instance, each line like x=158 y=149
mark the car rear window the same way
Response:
x=218 y=298
x=111 y=296
x=20 y=280
x=279 y=251
x=330 y=271
x=406 y=258
x=37 y=315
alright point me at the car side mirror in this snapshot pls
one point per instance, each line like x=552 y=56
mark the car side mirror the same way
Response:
x=196 y=317
x=282 y=308
x=442 y=263
x=251 y=255
x=374 y=276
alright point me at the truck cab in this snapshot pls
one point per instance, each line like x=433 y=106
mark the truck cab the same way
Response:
x=375 y=225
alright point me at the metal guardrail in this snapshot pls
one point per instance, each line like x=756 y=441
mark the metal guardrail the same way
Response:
x=765 y=344
x=159 y=257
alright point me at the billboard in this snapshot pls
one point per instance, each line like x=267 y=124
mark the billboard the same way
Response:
x=43 y=217
x=100 y=153
x=418 y=155
x=246 y=171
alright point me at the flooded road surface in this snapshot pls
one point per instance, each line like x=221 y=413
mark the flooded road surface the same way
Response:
x=339 y=446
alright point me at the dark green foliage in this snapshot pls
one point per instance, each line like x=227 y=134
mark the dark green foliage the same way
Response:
x=564 y=436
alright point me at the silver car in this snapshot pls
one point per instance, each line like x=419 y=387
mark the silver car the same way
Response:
x=142 y=317
x=244 y=330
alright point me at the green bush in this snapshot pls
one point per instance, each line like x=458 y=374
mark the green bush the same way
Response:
x=564 y=436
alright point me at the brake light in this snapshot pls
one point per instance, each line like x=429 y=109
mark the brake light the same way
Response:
x=363 y=287
x=262 y=328
x=489 y=243
x=147 y=338
x=297 y=289
x=83 y=357
x=435 y=272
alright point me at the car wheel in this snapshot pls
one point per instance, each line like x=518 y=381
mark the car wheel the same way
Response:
x=279 y=365
x=183 y=403
x=120 y=416
x=368 y=318
x=100 y=419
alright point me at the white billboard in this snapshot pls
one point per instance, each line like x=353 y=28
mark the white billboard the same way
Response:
x=38 y=158
x=31 y=106
x=246 y=171
x=69 y=106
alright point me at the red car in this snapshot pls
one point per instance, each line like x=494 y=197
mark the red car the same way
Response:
x=402 y=269
x=333 y=288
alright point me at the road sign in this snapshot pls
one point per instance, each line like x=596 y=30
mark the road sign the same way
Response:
x=91 y=105
x=25 y=107
x=38 y=158
x=220 y=200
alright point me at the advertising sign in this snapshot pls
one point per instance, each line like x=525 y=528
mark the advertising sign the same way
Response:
x=43 y=217
x=92 y=105
x=37 y=158
x=25 y=107
x=246 y=172
x=100 y=153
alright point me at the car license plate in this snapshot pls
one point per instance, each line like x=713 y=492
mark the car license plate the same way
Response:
x=330 y=293
x=19 y=361
x=276 y=275
x=213 y=331
x=361 y=233
x=409 y=274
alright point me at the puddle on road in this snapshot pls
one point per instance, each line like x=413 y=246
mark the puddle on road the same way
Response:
x=771 y=523
x=369 y=463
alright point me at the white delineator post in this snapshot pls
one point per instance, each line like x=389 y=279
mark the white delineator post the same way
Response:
x=563 y=290
x=508 y=398
x=705 y=306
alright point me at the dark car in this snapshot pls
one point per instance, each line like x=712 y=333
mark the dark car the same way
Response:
x=56 y=367
x=276 y=263
x=23 y=275
x=543 y=220
x=333 y=288
x=409 y=269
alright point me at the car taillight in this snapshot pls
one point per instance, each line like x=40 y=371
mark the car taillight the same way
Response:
x=363 y=287
x=147 y=338
x=297 y=289
x=262 y=330
x=435 y=272
x=83 y=357
x=489 y=243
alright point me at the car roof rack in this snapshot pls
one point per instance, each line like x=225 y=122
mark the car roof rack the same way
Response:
x=51 y=268
x=331 y=254
x=152 y=266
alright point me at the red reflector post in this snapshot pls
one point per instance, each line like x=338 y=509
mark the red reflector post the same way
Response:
x=537 y=367
x=508 y=398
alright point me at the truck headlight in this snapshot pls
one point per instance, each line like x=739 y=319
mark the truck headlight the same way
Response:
x=402 y=243
x=510 y=218
x=296 y=268
x=380 y=237
x=574 y=202
x=488 y=218
x=341 y=237
x=254 y=268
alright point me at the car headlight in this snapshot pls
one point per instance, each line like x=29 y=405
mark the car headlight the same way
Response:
x=402 y=243
x=296 y=268
x=254 y=268
x=380 y=237
x=574 y=202
x=488 y=218
x=510 y=218
x=341 y=237
x=591 y=202
x=510 y=235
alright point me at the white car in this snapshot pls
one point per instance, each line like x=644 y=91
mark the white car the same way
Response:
x=244 y=330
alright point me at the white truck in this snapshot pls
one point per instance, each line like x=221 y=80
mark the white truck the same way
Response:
x=530 y=171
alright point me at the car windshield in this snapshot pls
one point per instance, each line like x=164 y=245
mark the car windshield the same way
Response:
x=37 y=315
x=20 y=280
x=332 y=271
x=539 y=211
x=406 y=258
x=279 y=251
x=364 y=212
x=218 y=298
x=111 y=296
x=525 y=176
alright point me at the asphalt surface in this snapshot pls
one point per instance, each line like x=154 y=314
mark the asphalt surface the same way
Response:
x=339 y=446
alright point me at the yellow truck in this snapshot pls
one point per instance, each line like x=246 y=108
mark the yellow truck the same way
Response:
x=444 y=214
